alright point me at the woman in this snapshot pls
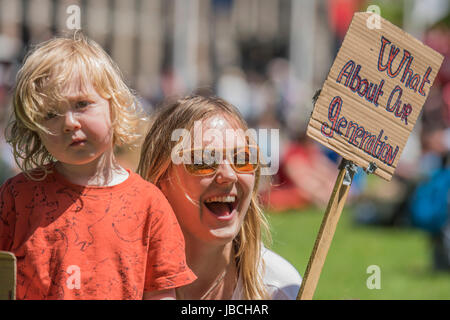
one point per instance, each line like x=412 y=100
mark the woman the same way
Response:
x=198 y=153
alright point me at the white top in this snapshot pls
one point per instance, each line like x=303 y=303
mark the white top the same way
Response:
x=281 y=279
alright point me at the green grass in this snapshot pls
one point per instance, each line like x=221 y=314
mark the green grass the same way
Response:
x=402 y=254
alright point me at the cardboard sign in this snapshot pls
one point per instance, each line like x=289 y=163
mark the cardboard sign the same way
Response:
x=373 y=94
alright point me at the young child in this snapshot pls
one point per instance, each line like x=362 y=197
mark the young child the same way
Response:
x=80 y=225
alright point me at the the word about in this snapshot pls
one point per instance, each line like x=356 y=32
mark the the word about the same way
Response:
x=365 y=89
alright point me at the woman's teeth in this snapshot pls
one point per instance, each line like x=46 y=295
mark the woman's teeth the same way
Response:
x=221 y=199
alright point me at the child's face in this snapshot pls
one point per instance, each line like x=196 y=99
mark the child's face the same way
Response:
x=82 y=130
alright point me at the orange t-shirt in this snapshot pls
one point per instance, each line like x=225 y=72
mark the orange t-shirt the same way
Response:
x=75 y=242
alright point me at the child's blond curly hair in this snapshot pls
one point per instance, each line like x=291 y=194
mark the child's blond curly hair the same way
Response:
x=40 y=88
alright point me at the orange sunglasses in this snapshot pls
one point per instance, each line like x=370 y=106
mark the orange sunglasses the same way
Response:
x=242 y=160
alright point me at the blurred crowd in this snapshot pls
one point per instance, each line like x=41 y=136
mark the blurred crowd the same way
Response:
x=260 y=76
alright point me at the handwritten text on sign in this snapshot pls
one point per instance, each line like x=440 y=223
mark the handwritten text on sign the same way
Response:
x=373 y=94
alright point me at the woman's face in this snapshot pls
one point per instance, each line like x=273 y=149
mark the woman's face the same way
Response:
x=211 y=208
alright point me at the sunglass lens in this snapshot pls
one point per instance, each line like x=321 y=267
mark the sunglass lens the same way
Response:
x=246 y=160
x=200 y=169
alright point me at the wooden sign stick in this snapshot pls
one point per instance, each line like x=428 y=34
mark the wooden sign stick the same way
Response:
x=327 y=229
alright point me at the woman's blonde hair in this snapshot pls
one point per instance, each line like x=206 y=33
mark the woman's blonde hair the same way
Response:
x=155 y=163
x=40 y=87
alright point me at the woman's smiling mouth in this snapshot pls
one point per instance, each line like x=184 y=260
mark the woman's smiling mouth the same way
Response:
x=221 y=206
